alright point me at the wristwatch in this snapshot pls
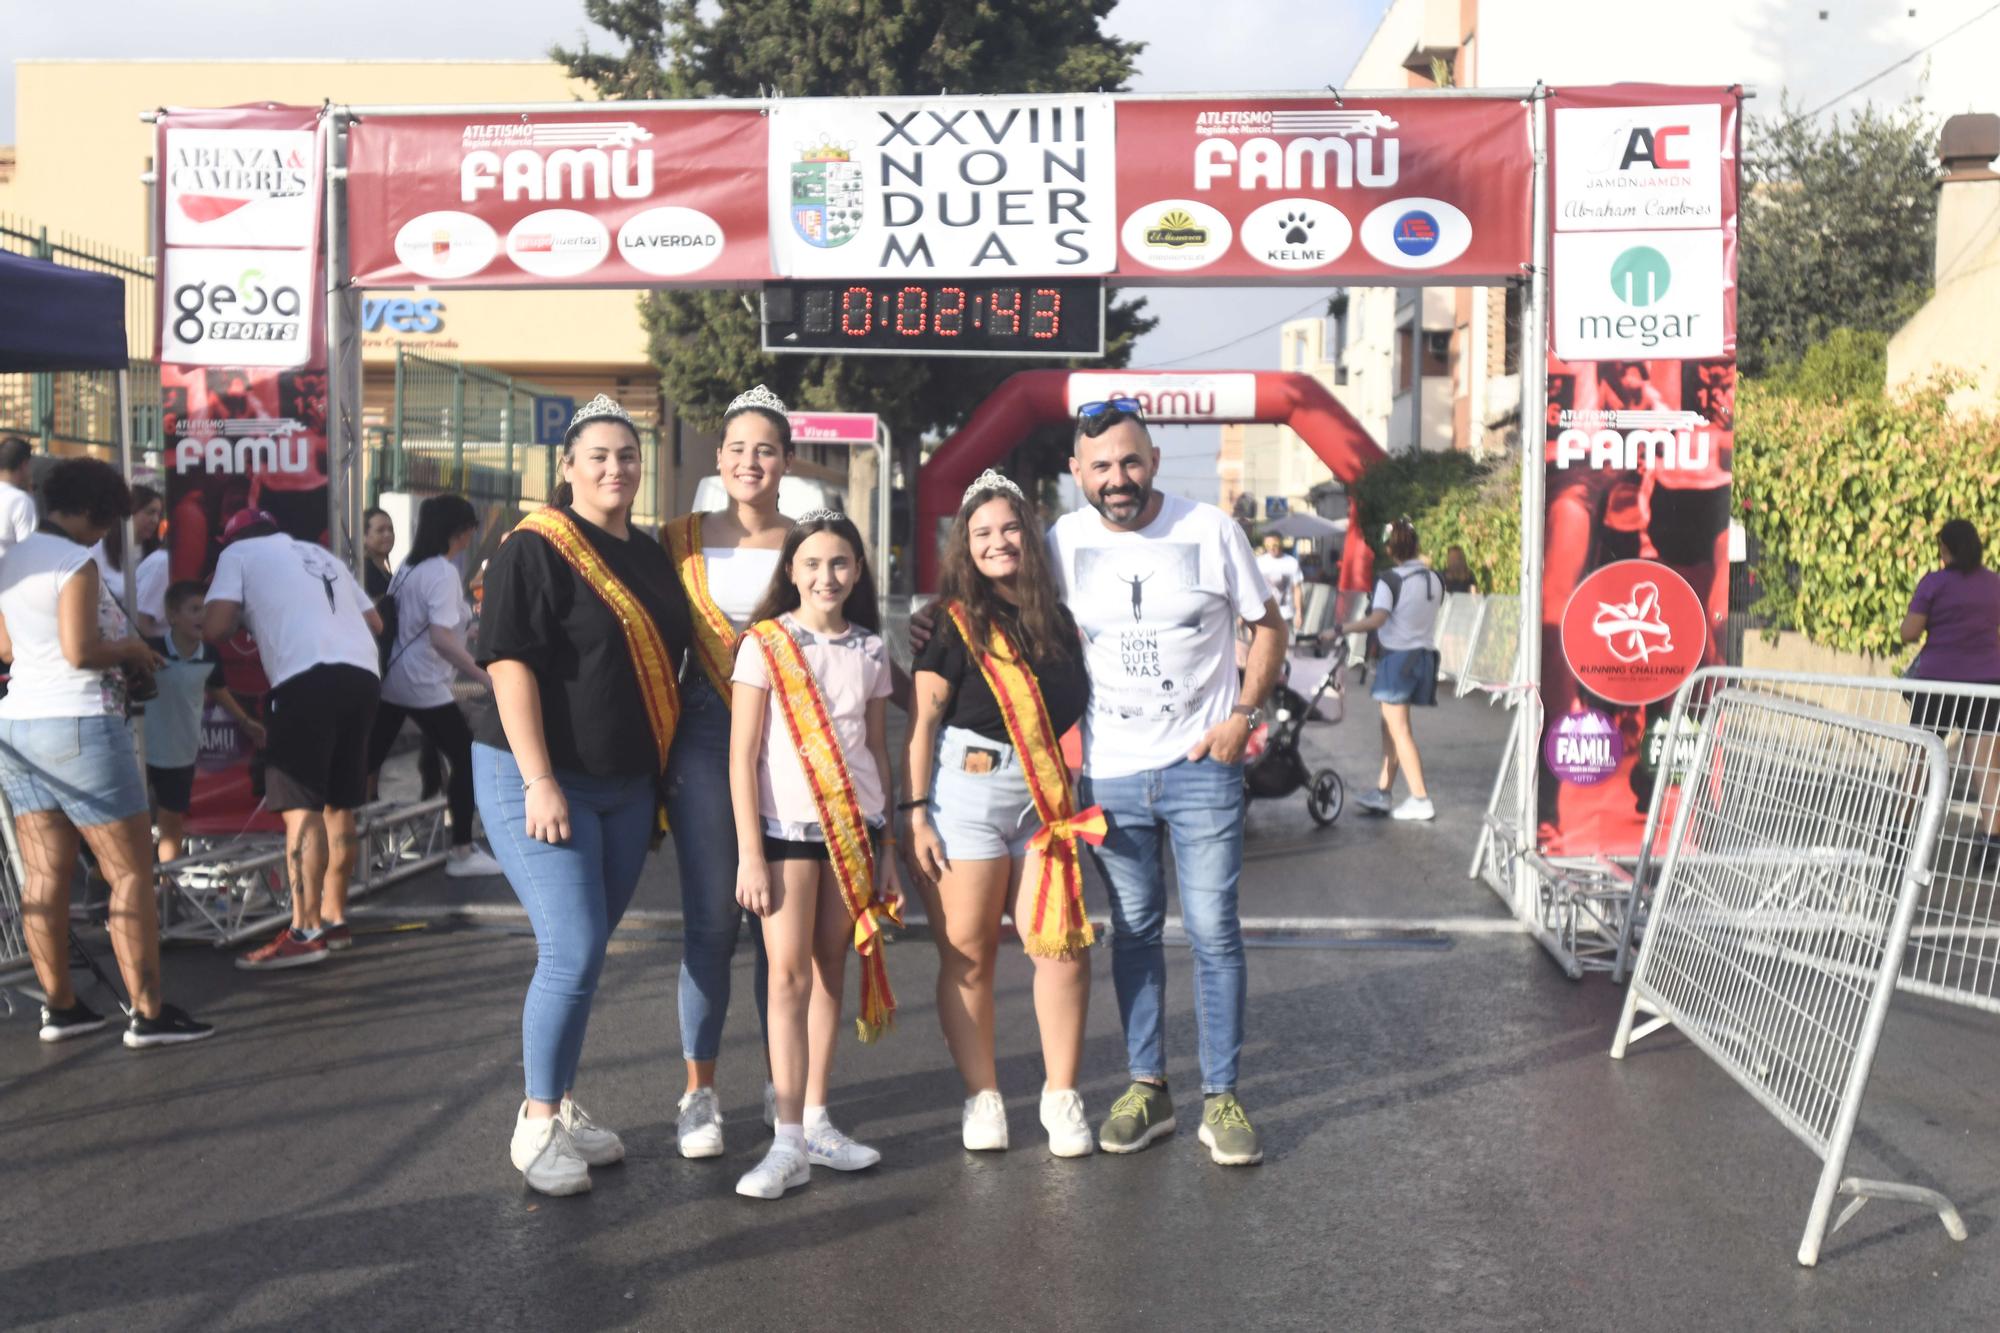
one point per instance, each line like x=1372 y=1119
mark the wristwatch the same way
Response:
x=1255 y=716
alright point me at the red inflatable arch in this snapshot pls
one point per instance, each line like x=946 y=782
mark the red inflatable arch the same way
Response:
x=1041 y=397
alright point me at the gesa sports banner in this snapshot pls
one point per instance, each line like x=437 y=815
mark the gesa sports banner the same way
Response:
x=1399 y=190
x=1641 y=420
x=597 y=197
x=946 y=188
x=242 y=373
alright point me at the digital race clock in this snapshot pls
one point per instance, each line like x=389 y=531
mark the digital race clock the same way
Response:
x=1057 y=317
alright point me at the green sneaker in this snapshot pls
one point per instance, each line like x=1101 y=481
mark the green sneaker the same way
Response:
x=1226 y=1132
x=1145 y=1113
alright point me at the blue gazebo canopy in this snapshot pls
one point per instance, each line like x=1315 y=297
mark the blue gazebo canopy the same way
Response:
x=58 y=318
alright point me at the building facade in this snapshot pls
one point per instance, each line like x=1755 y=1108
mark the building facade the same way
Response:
x=1440 y=369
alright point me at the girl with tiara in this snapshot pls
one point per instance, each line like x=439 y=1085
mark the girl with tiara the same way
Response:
x=994 y=823
x=808 y=775
x=726 y=561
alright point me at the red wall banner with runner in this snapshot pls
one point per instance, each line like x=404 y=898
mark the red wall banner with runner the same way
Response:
x=596 y=197
x=242 y=373
x=1641 y=428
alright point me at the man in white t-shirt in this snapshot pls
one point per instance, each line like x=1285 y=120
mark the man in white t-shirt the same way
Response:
x=315 y=635
x=1281 y=570
x=1158 y=585
x=17 y=503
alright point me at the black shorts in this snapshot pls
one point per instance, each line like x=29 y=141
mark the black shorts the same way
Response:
x=1946 y=713
x=317 y=754
x=787 y=849
x=1686 y=523
x=173 y=788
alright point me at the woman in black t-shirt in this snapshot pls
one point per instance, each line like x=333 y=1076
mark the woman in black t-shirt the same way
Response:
x=567 y=758
x=973 y=817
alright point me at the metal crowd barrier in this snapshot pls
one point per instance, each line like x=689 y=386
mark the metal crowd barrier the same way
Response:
x=1457 y=621
x=1954 y=947
x=1493 y=651
x=1800 y=843
x=227 y=894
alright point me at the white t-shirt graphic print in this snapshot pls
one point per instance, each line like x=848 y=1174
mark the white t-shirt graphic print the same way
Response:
x=300 y=602
x=1158 y=609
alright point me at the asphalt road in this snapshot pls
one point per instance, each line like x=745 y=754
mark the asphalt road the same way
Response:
x=1448 y=1147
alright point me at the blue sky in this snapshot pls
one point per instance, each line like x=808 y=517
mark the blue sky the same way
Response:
x=1192 y=46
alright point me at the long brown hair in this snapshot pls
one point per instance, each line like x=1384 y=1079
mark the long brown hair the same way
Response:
x=1040 y=617
x=783 y=594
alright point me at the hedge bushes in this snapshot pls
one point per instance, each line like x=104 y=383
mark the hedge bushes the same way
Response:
x=1453 y=502
x=1843 y=500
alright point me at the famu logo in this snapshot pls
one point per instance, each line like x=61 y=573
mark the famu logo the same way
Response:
x=1640 y=277
x=1176 y=229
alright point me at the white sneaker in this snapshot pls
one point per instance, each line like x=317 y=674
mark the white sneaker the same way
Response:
x=542 y=1152
x=1373 y=800
x=984 y=1127
x=1414 y=807
x=1063 y=1118
x=827 y=1146
x=700 y=1125
x=475 y=864
x=784 y=1168
x=770 y=1105
x=595 y=1144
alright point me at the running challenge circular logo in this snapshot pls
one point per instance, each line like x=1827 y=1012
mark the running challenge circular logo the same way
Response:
x=1633 y=631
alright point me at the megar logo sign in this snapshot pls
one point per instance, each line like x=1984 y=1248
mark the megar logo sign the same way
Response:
x=1640 y=295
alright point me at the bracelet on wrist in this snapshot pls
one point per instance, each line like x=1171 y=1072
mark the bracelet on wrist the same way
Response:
x=916 y=804
x=545 y=777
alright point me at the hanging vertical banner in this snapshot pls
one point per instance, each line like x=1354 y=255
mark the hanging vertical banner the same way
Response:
x=242 y=351
x=943 y=187
x=1641 y=428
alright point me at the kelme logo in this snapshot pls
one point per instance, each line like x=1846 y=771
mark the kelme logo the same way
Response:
x=1640 y=276
x=1175 y=229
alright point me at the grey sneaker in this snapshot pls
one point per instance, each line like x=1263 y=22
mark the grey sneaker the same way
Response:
x=1373 y=800
x=1227 y=1134
x=1142 y=1116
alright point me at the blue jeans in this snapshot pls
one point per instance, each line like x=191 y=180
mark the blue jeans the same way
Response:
x=704 y=826
x=575 y=892
x=1199 y=805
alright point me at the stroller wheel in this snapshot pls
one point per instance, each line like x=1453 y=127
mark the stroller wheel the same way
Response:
x=1326 y=797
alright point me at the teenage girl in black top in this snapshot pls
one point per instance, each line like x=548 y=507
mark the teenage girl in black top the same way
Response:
x=970 y=839
x=566 y=766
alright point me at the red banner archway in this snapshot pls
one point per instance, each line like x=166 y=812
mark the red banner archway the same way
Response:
x=1045 y=397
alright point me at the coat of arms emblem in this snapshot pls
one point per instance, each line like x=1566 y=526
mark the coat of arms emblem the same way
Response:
x=826 y=195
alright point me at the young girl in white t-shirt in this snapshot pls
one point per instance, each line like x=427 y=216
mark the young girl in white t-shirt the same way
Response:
x=808 y=776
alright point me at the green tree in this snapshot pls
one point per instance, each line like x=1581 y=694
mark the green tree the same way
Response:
x=1838 y=225
x=706 y=343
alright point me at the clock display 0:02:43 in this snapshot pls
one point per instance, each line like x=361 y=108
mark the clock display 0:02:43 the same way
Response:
x=1033 y=314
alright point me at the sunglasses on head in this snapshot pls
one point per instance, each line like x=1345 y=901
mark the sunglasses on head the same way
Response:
x=1096 y=418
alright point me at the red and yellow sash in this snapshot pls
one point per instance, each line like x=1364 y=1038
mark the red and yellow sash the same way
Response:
x=651 y=662
x=715 y=638
x=1057 y=926
x=840 y=819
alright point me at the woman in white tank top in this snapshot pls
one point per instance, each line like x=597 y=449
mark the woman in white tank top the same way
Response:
x=725 y=561
x=67 y=762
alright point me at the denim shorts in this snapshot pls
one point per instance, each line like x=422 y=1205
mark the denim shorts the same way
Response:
x=1406 y=676
x=981 y=816
x=86 y=767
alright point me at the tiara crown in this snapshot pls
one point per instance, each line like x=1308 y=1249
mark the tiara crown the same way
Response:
x=759 y=396
x=990 y=480
x=601 y=408
x=820 y=515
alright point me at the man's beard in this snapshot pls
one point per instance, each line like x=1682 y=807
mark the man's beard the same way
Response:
x=1140 y=495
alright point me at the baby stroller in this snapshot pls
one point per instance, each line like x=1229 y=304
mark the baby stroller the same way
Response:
x=1272 y=764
